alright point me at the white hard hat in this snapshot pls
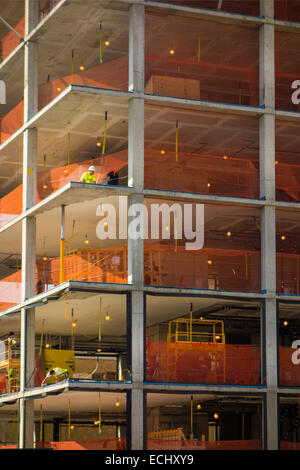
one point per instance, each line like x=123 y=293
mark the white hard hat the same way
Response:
x=92 y=168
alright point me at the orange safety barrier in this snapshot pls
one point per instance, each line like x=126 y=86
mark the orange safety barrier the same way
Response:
x=50 y=180
x=11 y=40
x=111 y=75
x=203 y=363
x=230 y=269
x=104 y=444
x=287 y=273
x=285 y=445
x=289 y=373
x=287 y=10
x=9 y=447
x=161 y=444
x=198 y=173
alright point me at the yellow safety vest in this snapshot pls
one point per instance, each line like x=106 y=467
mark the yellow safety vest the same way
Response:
x=88 y=178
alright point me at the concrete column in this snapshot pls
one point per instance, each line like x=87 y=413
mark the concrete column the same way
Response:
x=268 y=216
x=27 y=359
x=136 y=246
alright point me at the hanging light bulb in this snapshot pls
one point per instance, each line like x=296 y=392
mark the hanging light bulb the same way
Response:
x=162 y=152
x=45 y=258
x=47 y=346
x=86 y=241
x=96 y=423
x=228 y=234
x=99 y=142
x=285 y=323
x=58 y=89
x=209 y=261
x=107 y=317
x=216 y=416
x=72 y=427
x=81 y=67
x=107 y=43
x=45 y=186
x=74 y=323
x=225 y=157
x=117 y=403
x=283 y=237
x=172 y=52
x=198 y=407
x=208 y=185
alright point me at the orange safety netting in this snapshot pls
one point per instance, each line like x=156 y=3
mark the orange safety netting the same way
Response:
x=285 y=445
x=287 y=10
x=176 y=267
x=289 y=373
x=50 y=180
x=203 y=363
x=11 y=40
x=161 y=444
x=112 y=75
x=198 y=173
x=98 y=265
x=287 y=273
x=11 y=446
x=104 y=444
x=287 y=182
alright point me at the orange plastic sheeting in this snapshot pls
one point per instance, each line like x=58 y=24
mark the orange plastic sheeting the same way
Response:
x=12 y=121
x=289 y=373
x=285 y=445
x=203 y=363
x=10 y=290
x=287 y=273
x=10 y=41
x=111 y=75
x=105 y=444
x=176 y=267
x=198 y=173
x=161 y=444
x=50 y=180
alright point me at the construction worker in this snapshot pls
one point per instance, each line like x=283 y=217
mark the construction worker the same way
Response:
x=58 y=373
x=89 y=176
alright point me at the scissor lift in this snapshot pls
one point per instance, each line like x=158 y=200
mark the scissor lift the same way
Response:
x=193 y=333
x=10 y=366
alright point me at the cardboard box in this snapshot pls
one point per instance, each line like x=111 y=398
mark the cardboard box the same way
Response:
x=173 y=86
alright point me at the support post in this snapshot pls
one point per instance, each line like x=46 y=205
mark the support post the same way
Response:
x=62 y=246
x=136 y=246
x=27 y=354
x=268 y=217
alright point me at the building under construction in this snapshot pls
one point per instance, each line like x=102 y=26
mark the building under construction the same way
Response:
x=178 y=104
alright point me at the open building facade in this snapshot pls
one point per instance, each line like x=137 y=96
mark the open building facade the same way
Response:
x=177 y=103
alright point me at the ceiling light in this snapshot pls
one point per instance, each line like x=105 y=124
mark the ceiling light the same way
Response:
x=45 y=186
x=86 y=241
x=216 y=416
x=285 y=323
x=74 y=323
x=209 y=261
x=72 y=427
x=107 y=43
x=198 y=407
x=208 y=185
x=58 y=89
x=162 y=152
x=47 y=346
x=98 y=143
x=228 y=234
x=81 y=67
x=225 y=157
x=107 y=317
x=172 y=51
x=283 y=237
x=117 y=403
x=96 y=422
x=276 y=162
x=45 y=258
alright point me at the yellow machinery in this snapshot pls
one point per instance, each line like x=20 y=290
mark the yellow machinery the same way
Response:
x=190 y=338
x=10 y=366
x=168 y=435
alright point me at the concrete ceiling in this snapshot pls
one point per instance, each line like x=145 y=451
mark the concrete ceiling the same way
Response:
x=57 y=314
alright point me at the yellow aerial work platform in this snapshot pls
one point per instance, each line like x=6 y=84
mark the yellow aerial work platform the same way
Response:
x=10 y=366
x=196 y=336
